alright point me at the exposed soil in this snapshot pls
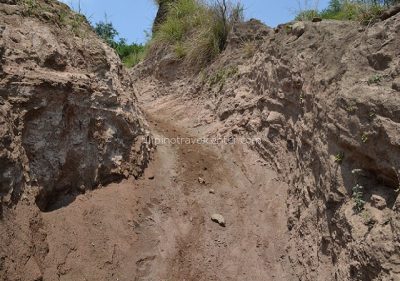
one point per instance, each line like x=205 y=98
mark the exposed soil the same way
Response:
x=160 y=228
x=319 y=103
x=323 y=98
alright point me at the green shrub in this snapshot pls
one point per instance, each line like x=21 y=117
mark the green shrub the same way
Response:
x=375 y=79
x=130 y=54
x=134 y=56
x=358 y=198
x=197 y=32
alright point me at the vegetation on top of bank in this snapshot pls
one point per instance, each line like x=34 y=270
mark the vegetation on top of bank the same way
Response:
x=130 y=54
x=196 y=31
x=363 y=11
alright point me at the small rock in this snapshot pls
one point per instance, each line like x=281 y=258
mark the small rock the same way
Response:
x=212 y=191
x=275 y=118
x=202 y=181
x=316 y=19
x=396 y=85
x=33 y=268
x=217 y=218
x=378 y=202
x=298 y=28
x=396 y=206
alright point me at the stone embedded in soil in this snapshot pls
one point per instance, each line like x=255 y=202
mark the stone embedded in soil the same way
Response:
x=212 y=191
x=396 y=85
x=275 y=118
x=202 y=181
x=217 y=218
x=33 y=268
x=378 y=202
x=298 y=28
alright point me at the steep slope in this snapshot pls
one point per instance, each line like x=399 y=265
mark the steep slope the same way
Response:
x=69 y=122
x=324 y=100
x=69 y=116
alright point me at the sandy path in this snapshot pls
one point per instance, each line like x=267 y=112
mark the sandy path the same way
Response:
x=160 y=229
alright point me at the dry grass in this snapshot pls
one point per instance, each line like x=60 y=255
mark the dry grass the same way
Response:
x=195 y=31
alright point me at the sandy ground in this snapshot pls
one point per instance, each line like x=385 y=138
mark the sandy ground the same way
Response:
x=160 y=227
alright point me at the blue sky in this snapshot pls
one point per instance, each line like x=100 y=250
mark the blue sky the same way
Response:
x=132 y=17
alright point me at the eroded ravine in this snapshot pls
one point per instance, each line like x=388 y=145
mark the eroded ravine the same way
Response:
x=160 y=228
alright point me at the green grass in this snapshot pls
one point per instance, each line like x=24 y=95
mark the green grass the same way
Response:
x=31 y=7
x=375 y=79
x=77 y=23
x=363 y=11
x=339 y=157
x=195 y=31
x=135 y=57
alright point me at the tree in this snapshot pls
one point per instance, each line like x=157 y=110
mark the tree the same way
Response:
x=335 y=5
x=130 y=54
x=107 y=32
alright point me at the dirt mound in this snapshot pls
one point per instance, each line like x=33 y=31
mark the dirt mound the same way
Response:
x=69 y=122
x=324 y=100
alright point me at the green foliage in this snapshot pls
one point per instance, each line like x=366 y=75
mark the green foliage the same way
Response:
x=73 y=20
x=376 y=79
x=220 y=76
x=195 y=31
x=106 y=31
x=364 y=138
x=130 y=54
x=76 y=24
x=351 y=107
x=307 y=15
x=364 y=11
x=31 y=7
x=358 y=198
x=63 y=17
x=339 y=157
x=371 y=116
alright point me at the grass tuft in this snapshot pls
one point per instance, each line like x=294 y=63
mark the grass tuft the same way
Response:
x=195 y=31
